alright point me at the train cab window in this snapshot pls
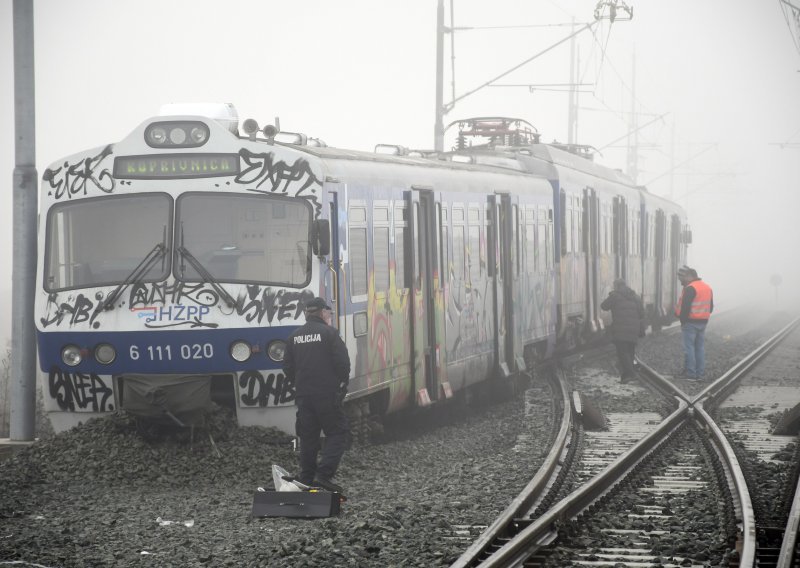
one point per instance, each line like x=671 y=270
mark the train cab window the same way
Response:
x=82 y=252
x=243 y=238
x=358 y=251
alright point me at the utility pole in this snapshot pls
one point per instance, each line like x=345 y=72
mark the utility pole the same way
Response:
x=572 y=113
x=438 y=129
x=633 y=136
x=23 y=275
x=613 y=10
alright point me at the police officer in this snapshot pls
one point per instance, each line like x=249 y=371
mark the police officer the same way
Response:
x=316 y=358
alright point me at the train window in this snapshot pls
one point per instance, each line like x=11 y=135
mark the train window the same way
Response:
x=530 y=247
x=380 y=258
x=358 y=261
x=458 y=251
x=400 y=276
x=475 y=255
x=80 y=251
x=515 y=236
x=417 y=254
x=440 y=211
x=458 y=214
x=541 y=247
x=358 y=214
x=400 y=214
x=474 y=215
x=380 y=215
x=568 y=231
x=244 y=238
x=445 y=253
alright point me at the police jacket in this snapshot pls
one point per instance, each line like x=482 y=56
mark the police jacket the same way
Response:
x=696 y=302
x=316 y=359
x=627 y=314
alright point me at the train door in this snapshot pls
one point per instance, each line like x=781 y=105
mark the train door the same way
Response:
x=662 y=300
x=591 y=237
x=331 y=277
x=426 y=287
x=500 y=260
x=620 y=237
x=676 y=258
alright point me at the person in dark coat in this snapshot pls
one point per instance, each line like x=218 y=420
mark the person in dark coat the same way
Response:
x=627 y=313
x=316 y=359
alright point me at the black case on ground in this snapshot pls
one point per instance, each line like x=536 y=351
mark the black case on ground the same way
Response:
x=303 y=504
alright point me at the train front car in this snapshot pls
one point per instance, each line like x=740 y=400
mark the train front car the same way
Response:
x=172 y=266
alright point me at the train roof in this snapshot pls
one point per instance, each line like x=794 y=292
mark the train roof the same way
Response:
x=550 y=159
x=416 y=169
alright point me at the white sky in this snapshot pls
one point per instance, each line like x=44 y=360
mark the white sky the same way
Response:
x=361 y=72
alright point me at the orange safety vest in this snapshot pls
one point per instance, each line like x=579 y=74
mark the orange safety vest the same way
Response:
x=701 y=305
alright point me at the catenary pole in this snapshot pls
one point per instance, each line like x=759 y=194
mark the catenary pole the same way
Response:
x=438 y=134
x=23 y=276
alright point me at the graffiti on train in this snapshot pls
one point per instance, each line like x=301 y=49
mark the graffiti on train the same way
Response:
x=262 y=390
x=81 y=178
x=79 y=391
x=175 y=304
x=283 y=178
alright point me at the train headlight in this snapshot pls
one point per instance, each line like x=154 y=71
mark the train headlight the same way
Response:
x=241 y=351
x=105 y=353
x=71 y=355
x=198 y=135
x=276 y=350
x=156 y=136
x=176 y=134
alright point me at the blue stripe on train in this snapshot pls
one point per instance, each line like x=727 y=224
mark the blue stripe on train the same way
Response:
x=164 y=351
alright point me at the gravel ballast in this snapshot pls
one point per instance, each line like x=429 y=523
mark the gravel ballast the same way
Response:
x=101 y=494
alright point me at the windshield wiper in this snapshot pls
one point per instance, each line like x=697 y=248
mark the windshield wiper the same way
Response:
x=157 y=252
x=205 y=274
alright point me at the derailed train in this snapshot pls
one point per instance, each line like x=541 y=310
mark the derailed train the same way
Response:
x=174 y=263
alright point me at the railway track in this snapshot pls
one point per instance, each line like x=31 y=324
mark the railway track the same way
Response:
x=653 y=490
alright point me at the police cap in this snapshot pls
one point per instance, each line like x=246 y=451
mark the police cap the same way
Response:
x=316 y=305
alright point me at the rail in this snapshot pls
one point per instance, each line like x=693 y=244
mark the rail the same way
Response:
x=531 y=491
x=789 y=545
x=545 y=529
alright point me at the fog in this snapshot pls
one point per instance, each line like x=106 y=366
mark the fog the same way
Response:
x=722 y=75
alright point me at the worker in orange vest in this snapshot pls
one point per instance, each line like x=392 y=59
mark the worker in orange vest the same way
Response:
x=694 y=310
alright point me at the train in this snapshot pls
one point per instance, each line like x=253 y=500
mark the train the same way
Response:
x=173 y=264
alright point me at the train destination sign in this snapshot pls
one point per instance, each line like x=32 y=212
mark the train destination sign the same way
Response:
x=175 y=166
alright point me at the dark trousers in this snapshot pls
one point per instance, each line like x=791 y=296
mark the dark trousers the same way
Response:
x=626 y=350
x=315 y=415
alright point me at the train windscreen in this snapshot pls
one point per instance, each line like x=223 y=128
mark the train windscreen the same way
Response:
x=97 y=242
x=243 y=238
